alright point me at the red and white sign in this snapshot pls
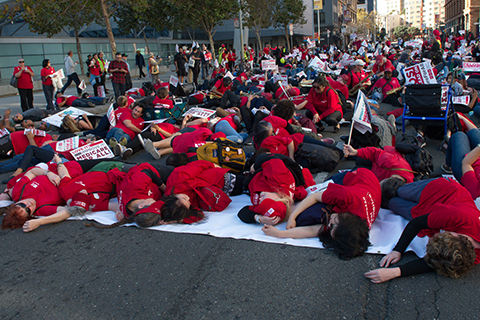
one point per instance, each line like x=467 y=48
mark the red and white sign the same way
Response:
x=91 y=151
x=111 y=116
x=4 y=132
x=444 y=95
x=421 y=73
x=200 y=112
x=82 y=86
x=316 y=63
x=465 y=100
x=268 y=65
x=323 y=56
x=38 y=133
x=173 y=81
x=208 y=56
x=280 y=77
x=471 y=66
x=67 y=144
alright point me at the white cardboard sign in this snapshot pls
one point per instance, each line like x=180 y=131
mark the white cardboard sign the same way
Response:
x=91 y=151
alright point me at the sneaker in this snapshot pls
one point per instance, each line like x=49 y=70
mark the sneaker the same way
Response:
x=329 y=141
x=123 y=141
x=118 y=150
x=127 y=153
x=148 y=145
x=421 y=140
x=446 y=168
x=140 y=138
x=391 y=120
x=113 y=143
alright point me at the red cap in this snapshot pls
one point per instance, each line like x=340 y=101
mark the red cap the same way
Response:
x=379 y=58
x=223 y=46
x=217 y=135
x=270 y=208
x=155 y=207
x=81 y=200
x=388 y=70
x=436 y=33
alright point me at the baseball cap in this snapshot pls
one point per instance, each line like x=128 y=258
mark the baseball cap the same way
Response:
x=270 y=208
x=359 y=62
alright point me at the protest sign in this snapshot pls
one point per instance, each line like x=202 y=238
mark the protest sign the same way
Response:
x=323 y=56
x=111 y=116
x=82 y=86
x=208 y=56
x=173 y=81
x=4 y=132
x=268 y=65
x=471 y=66
x=57 y=118
x=421 y=73
x=200 y=112
x=36 y=132
x=316 y=63
x=230 y=75
x=465 y=100
x=281 y=77
x=301 y=74
x=91 y=151
x=362 y=117
x=67 y=144
x=444 y=95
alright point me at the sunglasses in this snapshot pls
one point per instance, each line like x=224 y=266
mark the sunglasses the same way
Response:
x=315 y=87
x=24 y=206
x=21 y=61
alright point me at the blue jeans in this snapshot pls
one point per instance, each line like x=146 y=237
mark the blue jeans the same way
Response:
x=32 y=156
x=459 y=145
x=476 y=110
x=225 y=127
x=118 y=134
x=408 y=197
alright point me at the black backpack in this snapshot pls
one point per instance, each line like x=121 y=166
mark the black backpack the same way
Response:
x=320 y=157
x=419 y=159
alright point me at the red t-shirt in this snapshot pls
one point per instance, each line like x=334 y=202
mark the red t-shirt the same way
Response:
x=119 y=112
x=44 y=73
x=392 y=84
x=336 y=85
x=277 y=144
x=386 y=160
x=127 y=115
x=355 y=78
x=170 y=128
x=323 y=104
x=25 y=79
x=471 y=180
x=20 y=141
x=220 y=87
x=450 y=208
x=360 y=195
x=377 y=68
x=42 y=191
x=136 y=185
x=97 y=183
x=69 y=99
x=278 y=125
x=166 y=103
x=183 y=142
x=95 y=69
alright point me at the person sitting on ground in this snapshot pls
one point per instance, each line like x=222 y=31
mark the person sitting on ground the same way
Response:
x=129 y=125
x=435 y=205
x=341 y=215
x=323 y=104
x=386 y=84
x=221 y=94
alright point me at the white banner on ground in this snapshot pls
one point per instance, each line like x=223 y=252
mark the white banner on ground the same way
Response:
x=200 y=112
x=421 y=73
x=91 y=151
x=268 y=65
x=362 y=117
x=67 y=144
x=57 y=118
x=471 y=66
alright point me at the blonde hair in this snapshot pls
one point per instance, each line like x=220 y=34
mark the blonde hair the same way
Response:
x=69 y=125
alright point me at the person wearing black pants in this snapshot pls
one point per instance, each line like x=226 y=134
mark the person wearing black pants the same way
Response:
x=26 y=98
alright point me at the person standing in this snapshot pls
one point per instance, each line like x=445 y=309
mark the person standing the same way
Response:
x=87 y=62
x=180 y=60
x=118 y=68
x=103 y=72
x=128 y=78
x=153 y=67
x=47 y=73
x=196 y=67
x=205 y=54
x=71 y=73
x=24 y=75
x=140 y=63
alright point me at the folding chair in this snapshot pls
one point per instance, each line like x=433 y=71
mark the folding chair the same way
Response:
x=423 y=105
x=166 y=111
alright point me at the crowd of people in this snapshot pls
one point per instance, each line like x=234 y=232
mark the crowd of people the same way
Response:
x=278 y=114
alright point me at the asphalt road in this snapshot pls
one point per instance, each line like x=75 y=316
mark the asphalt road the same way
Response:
x=70 y=271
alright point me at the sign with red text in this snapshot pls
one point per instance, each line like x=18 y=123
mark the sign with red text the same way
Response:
x=111 y=116
x=208 y=56
x=4 y=132
x=67 y=144
x=465 y=100
x=36 y=132
x=444 y=95
x=91 y=151
x=421 y=73
x=471 y=66
x=316 y=63
x=200 y=112
x=173 y=81
x=268 y=65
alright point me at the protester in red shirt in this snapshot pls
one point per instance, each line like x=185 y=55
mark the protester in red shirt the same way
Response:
x=388 y=83
x=443 y=210
x=356 y=76
x=381 y=63
x=340 y=215
x=130 y=124
x=222 y=95
x=46 y=75
x=24 y=75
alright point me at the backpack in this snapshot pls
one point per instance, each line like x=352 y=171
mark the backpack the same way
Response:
x=212 y=198
x=419 y=159
x=320 y=157
x=223 y=152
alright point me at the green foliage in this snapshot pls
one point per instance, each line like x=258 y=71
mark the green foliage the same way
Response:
x=366 y=22
x=258 y=16
x=286 y=12
x=406 y=33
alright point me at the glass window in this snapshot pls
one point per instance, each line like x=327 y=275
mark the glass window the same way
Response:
x=32 y=49
x=56 y=58
x=69 y=46
x=129 y=48
x=52 y=48
x=120 y=47
x=9 y=62
x=34 y=60
x=11 y=50
x=89 y=48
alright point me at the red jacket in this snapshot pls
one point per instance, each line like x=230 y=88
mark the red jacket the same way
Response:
x=323 y=104
x=386 y=160
x=196 y=174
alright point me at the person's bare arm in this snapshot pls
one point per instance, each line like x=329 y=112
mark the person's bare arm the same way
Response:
x=85 y=123
x=61 y=104
x=470 y=159
x=215 y=91
x=31 y=139
x=197 y=122
x=130 y=126
x=61 y=215
x=295 y=233
x=291 y=150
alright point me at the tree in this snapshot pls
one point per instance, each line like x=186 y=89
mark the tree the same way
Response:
x=50 y=17
x=366 y=22
x=258 y=16
x=205 y=14
x=132 y=20
x=286 y=12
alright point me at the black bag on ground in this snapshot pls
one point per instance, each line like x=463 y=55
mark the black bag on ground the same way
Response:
x=419 y=159
x=319 y=157
x=5 y=146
